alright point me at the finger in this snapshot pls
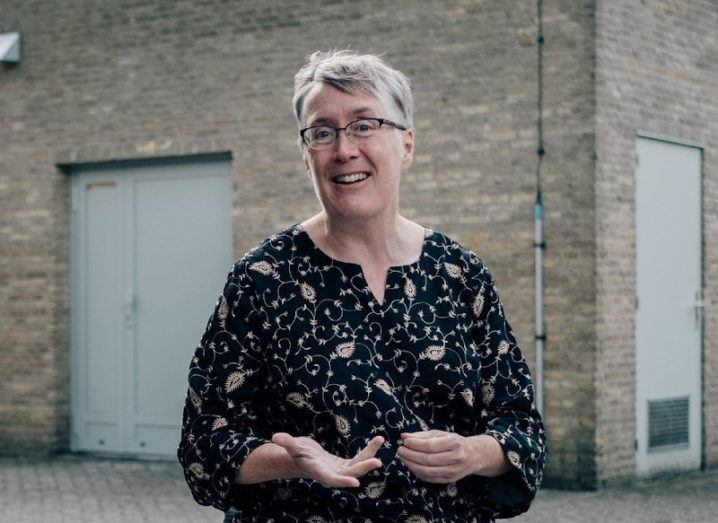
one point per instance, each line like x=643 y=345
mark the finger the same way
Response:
x=370 y=450
x=362 y=467
x=423 y=434
x=338 y=480
x=430 y=474
x=442 y=443
x=438 y=459
x=418 y=470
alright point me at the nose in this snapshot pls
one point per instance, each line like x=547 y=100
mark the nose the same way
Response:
x=344 y=148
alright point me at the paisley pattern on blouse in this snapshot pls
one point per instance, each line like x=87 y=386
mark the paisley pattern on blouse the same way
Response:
x=299 y=344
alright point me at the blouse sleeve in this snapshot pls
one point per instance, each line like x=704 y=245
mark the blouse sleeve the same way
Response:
x=508 y=412
x=219 y=423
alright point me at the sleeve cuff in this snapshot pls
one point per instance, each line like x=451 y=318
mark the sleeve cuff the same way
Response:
x=212 y=477
x=513 y=491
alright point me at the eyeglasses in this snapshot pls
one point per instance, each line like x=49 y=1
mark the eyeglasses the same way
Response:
x=321 y=136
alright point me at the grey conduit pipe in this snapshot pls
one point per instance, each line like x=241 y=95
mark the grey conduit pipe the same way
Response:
x=539 y=243
x=540 y=335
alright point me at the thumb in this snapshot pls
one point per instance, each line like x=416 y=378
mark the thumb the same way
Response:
x=284 y=440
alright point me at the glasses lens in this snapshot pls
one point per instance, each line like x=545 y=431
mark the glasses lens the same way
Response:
x=363 y=128
x=319 y=136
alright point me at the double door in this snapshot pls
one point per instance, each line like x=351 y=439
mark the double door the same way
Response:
x=150 y=247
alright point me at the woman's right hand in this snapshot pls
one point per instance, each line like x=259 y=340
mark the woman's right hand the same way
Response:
x=313 y=462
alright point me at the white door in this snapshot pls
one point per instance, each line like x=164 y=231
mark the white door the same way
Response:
x=151 y=247
x=669 y=306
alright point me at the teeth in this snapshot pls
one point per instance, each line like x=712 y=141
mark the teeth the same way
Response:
x=351 y=178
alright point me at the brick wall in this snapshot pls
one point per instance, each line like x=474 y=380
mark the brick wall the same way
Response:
x=570 y=258
x=657 y=71
x=104 y=80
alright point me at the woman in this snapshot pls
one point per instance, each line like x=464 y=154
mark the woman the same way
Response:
x=358 y=366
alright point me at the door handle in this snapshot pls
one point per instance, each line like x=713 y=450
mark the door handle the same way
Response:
x=128 y=305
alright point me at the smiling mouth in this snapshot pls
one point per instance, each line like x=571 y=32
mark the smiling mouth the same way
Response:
x=347 y=179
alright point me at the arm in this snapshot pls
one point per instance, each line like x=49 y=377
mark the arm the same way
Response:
x=509 y=447
x=221 y=426
x=267 y=463
x=489 y=457
x=224 y=442
x=508 y=412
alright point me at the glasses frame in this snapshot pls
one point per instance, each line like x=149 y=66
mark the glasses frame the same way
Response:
x=382 y=121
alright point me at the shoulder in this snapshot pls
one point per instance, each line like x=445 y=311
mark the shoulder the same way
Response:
x=268 y=256
x=459 y=261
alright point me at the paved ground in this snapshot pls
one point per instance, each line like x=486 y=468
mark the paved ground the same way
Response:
x=689 y=497
x=75 y=489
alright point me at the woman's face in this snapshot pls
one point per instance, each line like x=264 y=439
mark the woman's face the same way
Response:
x=382 y=158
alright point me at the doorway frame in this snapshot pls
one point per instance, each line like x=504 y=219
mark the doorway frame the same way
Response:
x=71 y=169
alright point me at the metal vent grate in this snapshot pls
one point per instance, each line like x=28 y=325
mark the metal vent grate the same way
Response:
x=668 y=422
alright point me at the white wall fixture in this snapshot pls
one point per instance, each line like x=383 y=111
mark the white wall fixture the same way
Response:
x=10 y=47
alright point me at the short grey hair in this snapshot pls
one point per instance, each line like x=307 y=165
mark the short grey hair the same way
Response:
x=351 y=72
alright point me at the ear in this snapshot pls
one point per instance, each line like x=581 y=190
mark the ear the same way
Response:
x=408 y=147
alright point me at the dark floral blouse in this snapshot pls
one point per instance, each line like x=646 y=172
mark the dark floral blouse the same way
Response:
x=298 y=343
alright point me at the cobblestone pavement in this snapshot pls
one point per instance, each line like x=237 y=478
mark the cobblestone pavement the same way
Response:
x=679 y=498
x=76 y=488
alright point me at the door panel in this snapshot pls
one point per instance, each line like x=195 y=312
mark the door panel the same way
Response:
x=668 y=316
x=103 y=287
x=102 y=333
x=181 y=254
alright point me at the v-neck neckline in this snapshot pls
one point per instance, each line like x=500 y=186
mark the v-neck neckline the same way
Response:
x=356 y=268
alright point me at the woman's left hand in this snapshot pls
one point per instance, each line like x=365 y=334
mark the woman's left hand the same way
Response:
x=437 y=456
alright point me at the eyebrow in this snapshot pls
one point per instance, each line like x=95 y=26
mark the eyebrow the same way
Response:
x=360 y=111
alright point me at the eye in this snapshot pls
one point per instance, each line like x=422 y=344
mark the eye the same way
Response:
x=364 y=127
x=322 y=134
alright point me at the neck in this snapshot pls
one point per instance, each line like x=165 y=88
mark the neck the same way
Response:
x=382 y=241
